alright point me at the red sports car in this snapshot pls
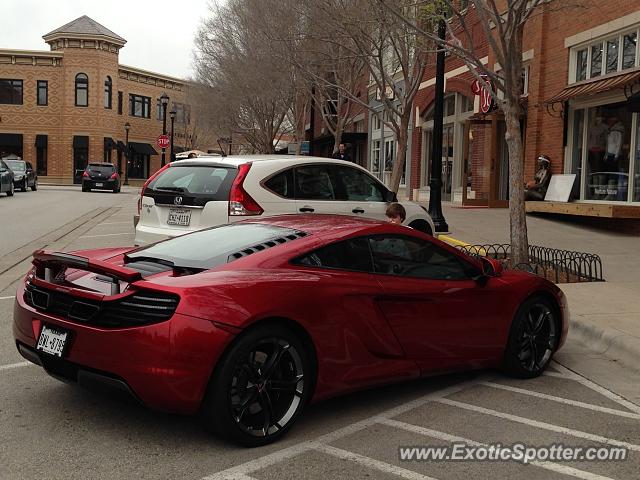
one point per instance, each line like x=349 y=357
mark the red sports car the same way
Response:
x=246 y=323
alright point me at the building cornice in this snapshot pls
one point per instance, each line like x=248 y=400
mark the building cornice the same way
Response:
x=30 y=53
x=83 y=36
x=147 y=73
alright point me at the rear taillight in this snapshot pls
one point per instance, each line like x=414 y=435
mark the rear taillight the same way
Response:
x=85 y=174
x=240 y=202
x=147 y=183
x=114 y=176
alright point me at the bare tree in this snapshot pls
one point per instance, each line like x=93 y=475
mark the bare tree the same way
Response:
x=503 y=24
x=239 y=64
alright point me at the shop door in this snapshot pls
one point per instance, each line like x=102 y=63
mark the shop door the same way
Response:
x=79 y=163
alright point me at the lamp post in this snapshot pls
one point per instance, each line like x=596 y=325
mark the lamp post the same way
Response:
x=127 y=126
x=172 y=115
x=164 y=99
x=435 y=190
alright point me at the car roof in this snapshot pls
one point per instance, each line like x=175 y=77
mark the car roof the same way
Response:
x=280 y=160
x=320 y=224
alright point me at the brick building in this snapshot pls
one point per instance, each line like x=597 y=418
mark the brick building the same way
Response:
x=67 y=106
x=581 y=100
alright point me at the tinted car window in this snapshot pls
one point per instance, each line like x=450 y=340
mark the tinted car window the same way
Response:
x=352 y=254
x=313 y=182
x=281 y=184
x=359 y=186
x=16 y=165
x=412 y=257
x=104 y=169
x=216 y=246
x=212 y=181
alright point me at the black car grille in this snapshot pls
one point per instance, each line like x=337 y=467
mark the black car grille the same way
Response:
x=141 y=308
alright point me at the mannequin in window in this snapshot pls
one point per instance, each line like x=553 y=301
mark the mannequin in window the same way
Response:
x=536 y=189
x=615 y=136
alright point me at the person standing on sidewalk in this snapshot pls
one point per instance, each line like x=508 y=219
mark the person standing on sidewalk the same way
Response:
x=341 y=154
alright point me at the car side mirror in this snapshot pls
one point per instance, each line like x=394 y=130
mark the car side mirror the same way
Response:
x=491 y=267
x=390 y=196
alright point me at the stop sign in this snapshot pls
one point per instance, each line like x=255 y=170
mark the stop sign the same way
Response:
x=163 y=141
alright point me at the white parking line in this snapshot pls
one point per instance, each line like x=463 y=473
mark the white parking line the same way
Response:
x=566 y=401
x=537 y=424
x=372 y=463
x=7 y=298
x=286 y=453
x=15 y=365
x=113 y=223
x=427 y=432
x=107 y=235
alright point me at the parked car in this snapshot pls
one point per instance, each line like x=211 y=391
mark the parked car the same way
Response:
x=24 y=176
x=6 y=179
x=100 y=176
x=248 y=322
x=202 y=192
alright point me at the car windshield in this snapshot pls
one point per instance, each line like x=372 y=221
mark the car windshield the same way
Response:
x=16 y=165
x=101 y=168
x=209 y=248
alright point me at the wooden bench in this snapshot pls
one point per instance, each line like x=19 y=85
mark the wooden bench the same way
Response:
x=608 y=210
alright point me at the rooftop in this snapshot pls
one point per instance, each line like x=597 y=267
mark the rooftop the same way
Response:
x=84 y=26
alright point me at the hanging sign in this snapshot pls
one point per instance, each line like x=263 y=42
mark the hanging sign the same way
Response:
x=486 y=100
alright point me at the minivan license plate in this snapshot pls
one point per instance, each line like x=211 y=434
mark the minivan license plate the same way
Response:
x=52 y=341
x=179 y=216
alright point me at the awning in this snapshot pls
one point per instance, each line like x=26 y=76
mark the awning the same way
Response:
x=11 y=139
x=109 y=143
x=598 y=85
x=41 y=141
x=142 y=148
x=80 y=142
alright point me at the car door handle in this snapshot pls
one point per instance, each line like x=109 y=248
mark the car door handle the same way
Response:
x=358 y=210
x=307 y=209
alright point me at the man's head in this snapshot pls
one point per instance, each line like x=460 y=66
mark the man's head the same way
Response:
x=341 y=148
x=192 y=155
x=396 y=213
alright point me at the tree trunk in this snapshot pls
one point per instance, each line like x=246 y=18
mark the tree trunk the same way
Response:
x=517 y=215
x=337 y=137
x=402 y=138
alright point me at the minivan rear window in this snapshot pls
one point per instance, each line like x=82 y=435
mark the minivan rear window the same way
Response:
x=213 y=182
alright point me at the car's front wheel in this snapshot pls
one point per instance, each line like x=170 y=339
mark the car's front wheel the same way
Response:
x=11 y=190
x=533 y=338
x=260 y=386
x=24 y=185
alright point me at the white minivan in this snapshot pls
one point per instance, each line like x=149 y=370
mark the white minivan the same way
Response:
x=203 y=192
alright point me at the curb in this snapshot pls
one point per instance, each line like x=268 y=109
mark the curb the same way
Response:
x=611 y=342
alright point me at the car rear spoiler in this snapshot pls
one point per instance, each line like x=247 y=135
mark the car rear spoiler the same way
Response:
x=50 y=264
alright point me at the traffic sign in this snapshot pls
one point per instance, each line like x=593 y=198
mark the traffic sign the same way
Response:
x=163 y=141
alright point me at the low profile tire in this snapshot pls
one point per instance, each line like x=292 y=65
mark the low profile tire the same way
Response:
x=533 y=338
x=259 y=387
x=11 y=190
x=24 y=185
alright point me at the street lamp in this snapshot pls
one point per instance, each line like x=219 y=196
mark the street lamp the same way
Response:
x=435 y=190
x=172 y=115
x=127 y=126
x=164 y=99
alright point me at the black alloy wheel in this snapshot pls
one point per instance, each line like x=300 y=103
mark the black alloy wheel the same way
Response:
x=260 y=388
x=533 y=339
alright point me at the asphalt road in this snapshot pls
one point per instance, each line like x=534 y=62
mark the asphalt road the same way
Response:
x=51 y=430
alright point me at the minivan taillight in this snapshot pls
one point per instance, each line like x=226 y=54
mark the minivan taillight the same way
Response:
x=240 y=202
x=147 y=183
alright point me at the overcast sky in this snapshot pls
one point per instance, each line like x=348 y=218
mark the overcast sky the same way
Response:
x=159 y=33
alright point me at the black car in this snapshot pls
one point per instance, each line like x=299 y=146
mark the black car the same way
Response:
x=24 y=176
x=6 y=179
x=101 y=176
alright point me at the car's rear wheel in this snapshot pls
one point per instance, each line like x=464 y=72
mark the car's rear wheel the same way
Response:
x=260 y=387
x=533 y=338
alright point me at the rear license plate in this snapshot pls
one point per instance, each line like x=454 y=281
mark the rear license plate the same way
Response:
x=179 y=216
x=52 y=341
x=99 y=184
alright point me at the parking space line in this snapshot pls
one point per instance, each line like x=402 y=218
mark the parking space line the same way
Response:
x=372 y=463
x=566 y=401
x=556 y=375
x=427 y=432
x=107 y=235
x=8 y=298
x=538 y=424
x=241 y=476
x=15 y=365
x=295 y=450
x=113 y=223
x=597 y=388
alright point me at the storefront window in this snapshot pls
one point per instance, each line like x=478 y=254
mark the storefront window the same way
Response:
x=375 y=156
x=608 y=142
x=139 y=166
x=576 y=157
x=636 y=187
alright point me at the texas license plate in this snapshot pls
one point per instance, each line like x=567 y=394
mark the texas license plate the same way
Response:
x=99 y=184
x=179 y=216
x=52 y=341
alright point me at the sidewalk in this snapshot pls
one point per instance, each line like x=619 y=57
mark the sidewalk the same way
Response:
x=604 y=316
